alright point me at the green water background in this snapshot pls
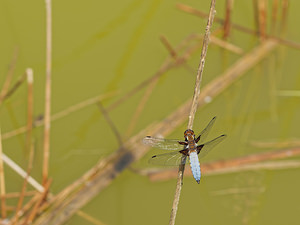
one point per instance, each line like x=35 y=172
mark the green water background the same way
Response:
x=104 y=46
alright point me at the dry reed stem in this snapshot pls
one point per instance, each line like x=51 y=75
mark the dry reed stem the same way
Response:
x=194 y=107
x=89 y=218
x=226 y=45
x=168 y=46
x=201 y=65
x=29 y=73
x=60 y=114
x=17 y=194
x=75 y=196
x=262 y=19
x=227 y=21
x=9 y=76
x=201 y=14
x=22 y=173
x=110 y=123
x=14 y=87
x=173 y=52
x=244 y=163
x=23 y=190
x=284 y=15
x=274 y=16
x=47 y=121
x=2 y=182
x=24 y=211
x=38 y=204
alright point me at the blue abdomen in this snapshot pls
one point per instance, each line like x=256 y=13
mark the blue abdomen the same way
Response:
x=195 y=166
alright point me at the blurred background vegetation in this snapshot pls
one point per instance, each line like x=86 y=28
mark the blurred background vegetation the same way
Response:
x=110 y=48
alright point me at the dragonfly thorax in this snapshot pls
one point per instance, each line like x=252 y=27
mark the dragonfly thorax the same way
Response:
x=189 y=135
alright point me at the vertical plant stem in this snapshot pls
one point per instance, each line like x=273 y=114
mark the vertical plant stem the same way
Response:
x=201 y=65
x=2 y=182
x=29 y=74
x=48 y=91
x=274 y=16
x=262 y=18
x=29 y=146
x=23 y=191
x=284 y=15
x=193 y=109
x=227 y=23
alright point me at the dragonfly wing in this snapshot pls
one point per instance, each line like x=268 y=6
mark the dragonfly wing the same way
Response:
x=202 y=136
x=168 y=159
x=208 y=146
x=165 y=144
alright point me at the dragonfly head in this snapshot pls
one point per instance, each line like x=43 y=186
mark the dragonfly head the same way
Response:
x=189 y=134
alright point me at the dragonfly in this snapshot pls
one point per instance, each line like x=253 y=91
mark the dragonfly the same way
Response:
x=191 y=149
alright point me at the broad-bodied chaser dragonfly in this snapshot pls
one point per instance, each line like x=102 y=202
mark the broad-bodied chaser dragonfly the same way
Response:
x=193 y=147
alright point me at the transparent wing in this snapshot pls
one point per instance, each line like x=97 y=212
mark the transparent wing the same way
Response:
x=165 y=144
x=168 y=159
x=202 y=136
x=208 y=146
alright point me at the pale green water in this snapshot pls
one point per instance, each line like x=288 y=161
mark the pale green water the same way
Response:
x=106 y=46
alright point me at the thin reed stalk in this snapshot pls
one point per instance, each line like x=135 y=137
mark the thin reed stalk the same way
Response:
x=29 y=73
x=227 y=22
x=284 y=16
x=89 y=218
x=46 y=144
x=17 y=194
x=194 y=107
x=23 y=190
x=38 y=203
x=22 y=173
x=262 y=19
x=14 y=88
x=110 y=123
x=61 y=114
x=2 y=182
x=9 y=76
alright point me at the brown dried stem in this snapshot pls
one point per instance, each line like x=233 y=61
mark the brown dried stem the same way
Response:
x=46 y=145
x=38 y=204
x=193 y=110
x=23 y=191
x=262 y=19
x=227 y=22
